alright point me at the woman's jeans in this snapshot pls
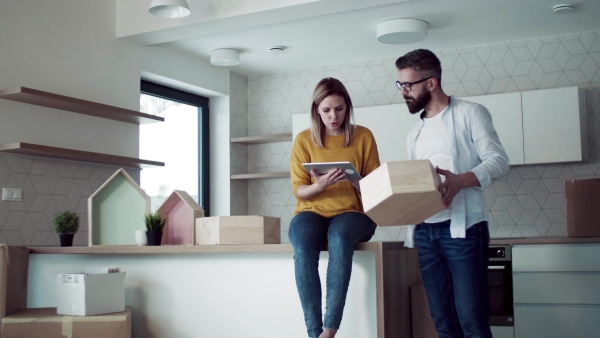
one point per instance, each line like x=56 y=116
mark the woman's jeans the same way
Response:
x=454 y=272
x=308 y=233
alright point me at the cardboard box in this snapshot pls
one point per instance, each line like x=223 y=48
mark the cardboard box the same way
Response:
x=583 y=207
x=45 y=323
x=238 y=230
x=80 y=294
x=401 y=193
x=14 y=268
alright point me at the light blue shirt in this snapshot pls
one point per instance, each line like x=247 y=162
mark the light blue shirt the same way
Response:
x=475 y=147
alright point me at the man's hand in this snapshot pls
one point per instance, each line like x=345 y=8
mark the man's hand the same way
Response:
x=454 y=183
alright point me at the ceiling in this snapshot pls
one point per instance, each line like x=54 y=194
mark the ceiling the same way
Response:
x=331 y=32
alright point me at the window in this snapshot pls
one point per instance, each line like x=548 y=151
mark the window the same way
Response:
x=181 y=142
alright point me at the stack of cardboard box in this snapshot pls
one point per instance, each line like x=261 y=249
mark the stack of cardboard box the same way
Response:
x=20 y=322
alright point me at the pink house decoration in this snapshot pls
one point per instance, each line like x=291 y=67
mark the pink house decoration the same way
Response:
x=182 y=211
x=116 y=210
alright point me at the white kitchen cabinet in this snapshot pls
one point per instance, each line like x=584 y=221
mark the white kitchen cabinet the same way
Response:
x=507 y=119
x=389 y=124
x=556 y=290
x=554 y=125
x=535 y=127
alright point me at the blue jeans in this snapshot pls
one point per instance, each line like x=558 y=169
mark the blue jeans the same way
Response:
x=454 y=272
x=308 y=233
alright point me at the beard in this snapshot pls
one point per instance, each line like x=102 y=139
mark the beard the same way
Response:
x=417 y=104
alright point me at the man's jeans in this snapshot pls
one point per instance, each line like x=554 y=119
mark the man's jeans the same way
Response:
x=454 y=272
x=308 y=233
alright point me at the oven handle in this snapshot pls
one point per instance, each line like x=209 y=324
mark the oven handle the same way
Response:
x=496 y=267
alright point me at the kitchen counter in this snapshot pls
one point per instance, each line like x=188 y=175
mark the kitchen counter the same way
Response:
x=201 y=287
x=544 y=240
x=196 y=249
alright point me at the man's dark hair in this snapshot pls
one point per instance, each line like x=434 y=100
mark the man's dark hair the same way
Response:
x=423 y=61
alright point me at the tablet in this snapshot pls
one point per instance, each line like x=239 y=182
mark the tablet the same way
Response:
x=324 y=167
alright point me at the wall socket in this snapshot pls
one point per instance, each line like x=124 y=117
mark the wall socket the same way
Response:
x=12 y=194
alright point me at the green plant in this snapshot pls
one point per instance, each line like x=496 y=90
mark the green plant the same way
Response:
x=155 y=221
x=66 y=222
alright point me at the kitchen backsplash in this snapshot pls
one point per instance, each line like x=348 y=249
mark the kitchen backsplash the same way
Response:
x=529 y=202
x=49 y=186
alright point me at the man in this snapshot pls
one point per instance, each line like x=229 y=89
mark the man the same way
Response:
x=460 y=141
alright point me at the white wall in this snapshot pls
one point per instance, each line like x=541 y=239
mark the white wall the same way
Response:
x=183 y=72
x=219 y=157
x=221 y=295
x=69 y=48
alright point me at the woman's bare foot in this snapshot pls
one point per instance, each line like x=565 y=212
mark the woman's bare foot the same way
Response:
x=328 y=333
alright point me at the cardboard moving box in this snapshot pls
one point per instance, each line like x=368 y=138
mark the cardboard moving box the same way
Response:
x=583 y=207
x=401 y=193
x=238 y=230
x=45 y=323
x=81 y=294
x=14 y=268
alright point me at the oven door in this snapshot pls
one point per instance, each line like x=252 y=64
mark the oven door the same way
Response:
x=500 y=287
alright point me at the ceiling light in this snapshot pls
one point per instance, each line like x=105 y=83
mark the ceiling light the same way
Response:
x=399 y=31
x=276 y=50
x=169 y=9
x=562 y=8
x=225 y=57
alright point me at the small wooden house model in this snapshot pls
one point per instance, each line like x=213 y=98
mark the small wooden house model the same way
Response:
x=116 y=210
x=182 y=211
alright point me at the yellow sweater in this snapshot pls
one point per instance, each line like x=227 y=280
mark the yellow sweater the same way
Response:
x=341 y=197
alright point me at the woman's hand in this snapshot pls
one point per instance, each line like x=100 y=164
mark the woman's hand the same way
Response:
x=332 y=177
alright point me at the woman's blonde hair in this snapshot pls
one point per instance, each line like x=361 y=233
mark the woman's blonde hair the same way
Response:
x=327 y=87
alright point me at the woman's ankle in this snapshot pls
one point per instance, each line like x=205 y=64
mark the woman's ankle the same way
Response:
x=328 y=333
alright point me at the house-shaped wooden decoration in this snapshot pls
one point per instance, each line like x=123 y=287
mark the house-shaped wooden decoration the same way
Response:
x=116 y=210
x=182 y=211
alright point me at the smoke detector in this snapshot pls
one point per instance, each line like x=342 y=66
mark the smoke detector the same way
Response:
x=562 y=8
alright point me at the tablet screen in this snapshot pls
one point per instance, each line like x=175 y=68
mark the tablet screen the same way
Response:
x=324 y=167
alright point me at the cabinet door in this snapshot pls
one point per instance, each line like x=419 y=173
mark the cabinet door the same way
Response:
x=507 y=118
x=554 y=125
x=556 y=321
x=390 y=125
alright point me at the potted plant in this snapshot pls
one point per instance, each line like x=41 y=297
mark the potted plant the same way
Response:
x=66 y=224
x=155 y=223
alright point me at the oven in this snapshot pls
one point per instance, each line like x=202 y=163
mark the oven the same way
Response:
x=500 y=286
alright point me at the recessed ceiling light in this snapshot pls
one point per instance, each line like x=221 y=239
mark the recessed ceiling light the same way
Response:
x=562 y=8
x=276 y=50
x=225 y=57
x=399 y=31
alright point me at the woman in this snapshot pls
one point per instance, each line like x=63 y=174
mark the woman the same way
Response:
x=328 y=208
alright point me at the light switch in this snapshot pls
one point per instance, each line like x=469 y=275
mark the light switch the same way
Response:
x=12 y=194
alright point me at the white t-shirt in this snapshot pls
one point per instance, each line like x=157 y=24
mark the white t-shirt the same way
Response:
x=432 y=145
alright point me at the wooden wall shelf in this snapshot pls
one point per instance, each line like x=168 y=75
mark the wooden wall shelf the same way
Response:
x=50 y=100
x=197 y=249
x=76 y=155
x=263 y=139
x=261 y=176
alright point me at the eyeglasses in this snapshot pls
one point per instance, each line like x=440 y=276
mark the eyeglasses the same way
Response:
x=408 y=85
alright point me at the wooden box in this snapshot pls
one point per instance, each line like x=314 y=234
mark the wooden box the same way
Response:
x=238 y=230
x=401 y=193
x=583 y=207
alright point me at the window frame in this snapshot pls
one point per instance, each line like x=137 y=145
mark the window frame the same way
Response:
x=203 y=103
